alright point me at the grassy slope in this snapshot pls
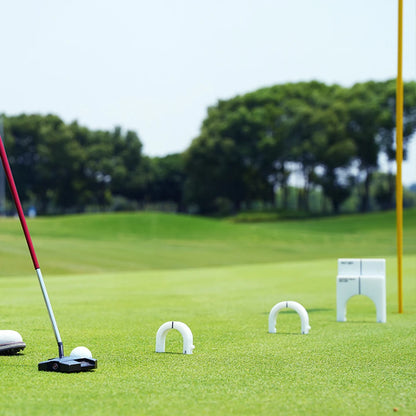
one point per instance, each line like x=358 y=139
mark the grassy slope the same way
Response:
x=353 y=368
x=127 y=242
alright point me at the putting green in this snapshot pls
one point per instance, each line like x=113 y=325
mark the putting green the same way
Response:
x=358 y=367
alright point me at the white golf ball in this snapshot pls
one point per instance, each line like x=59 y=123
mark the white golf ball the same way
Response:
x=81 y=352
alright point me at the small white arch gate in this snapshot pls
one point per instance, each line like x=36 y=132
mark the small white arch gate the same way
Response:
x=185 y=331
x=304 y=318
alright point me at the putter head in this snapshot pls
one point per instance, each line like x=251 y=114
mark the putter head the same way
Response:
x=68 y=365
x=12 y=348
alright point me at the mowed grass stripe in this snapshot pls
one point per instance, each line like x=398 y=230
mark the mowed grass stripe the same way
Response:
x=143 y=241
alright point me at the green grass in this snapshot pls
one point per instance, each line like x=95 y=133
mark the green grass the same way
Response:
x=131 y=242
x=114 y=279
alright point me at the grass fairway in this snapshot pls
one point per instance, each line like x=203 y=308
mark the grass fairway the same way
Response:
x=114 y=279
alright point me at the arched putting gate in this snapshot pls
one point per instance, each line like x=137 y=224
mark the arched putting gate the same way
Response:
x=185 y=331
x=304 y=318
x=361 y=277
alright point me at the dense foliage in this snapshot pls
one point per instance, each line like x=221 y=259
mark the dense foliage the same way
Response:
x=249 y=150
x=62 y=167
x=251 y=145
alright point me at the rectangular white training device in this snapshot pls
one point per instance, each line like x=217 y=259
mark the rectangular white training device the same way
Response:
x=361 y=277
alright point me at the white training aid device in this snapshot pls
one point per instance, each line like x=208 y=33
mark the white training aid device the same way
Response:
x=361 y=277
x=185 y=331
x=304 y=317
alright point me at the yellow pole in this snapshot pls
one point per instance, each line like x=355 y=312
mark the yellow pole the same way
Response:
x=399 y=157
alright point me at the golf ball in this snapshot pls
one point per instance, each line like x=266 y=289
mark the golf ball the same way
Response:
x=81 y=352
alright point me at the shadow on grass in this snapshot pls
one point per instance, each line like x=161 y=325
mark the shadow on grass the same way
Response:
x=169 y=352
x=17 y=354
x=312 y=310
x=371 y=322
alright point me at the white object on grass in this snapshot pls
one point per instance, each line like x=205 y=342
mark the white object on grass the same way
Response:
x=304 y=317
x=361 y=277
x=11 y=342
x=81 y=352
x=185 y=331
x=8 y=336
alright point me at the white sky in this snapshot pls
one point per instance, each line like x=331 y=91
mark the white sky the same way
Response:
x=155 y=66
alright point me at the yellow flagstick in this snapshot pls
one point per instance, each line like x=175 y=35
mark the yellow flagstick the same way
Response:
x=399 y=157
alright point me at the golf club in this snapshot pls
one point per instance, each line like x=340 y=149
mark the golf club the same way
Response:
x=61 y=364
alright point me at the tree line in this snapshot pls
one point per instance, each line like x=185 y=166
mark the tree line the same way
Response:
x=249 y=149
x=68 y=168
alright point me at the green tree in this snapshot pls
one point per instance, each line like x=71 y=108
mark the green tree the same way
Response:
x=316 y=117
x=166 y=179
x=371 y=124
x=127 y=165
x=21 y=137
x=62 y=168
x=59 y=175
x=225 y=163
x=334 y=154
x=248 y=143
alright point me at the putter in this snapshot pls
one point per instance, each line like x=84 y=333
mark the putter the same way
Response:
x=61 y=364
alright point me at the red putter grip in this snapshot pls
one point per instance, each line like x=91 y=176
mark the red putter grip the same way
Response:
x=17 y=203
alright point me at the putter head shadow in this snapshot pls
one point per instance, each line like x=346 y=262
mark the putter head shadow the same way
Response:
x=68 y=365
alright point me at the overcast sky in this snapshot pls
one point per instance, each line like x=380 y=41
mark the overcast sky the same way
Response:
x=155 y=66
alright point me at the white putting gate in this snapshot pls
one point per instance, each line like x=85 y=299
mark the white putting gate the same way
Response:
x=361 y=277
x=304 y=317
x=355 y=277
x=185 y=331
